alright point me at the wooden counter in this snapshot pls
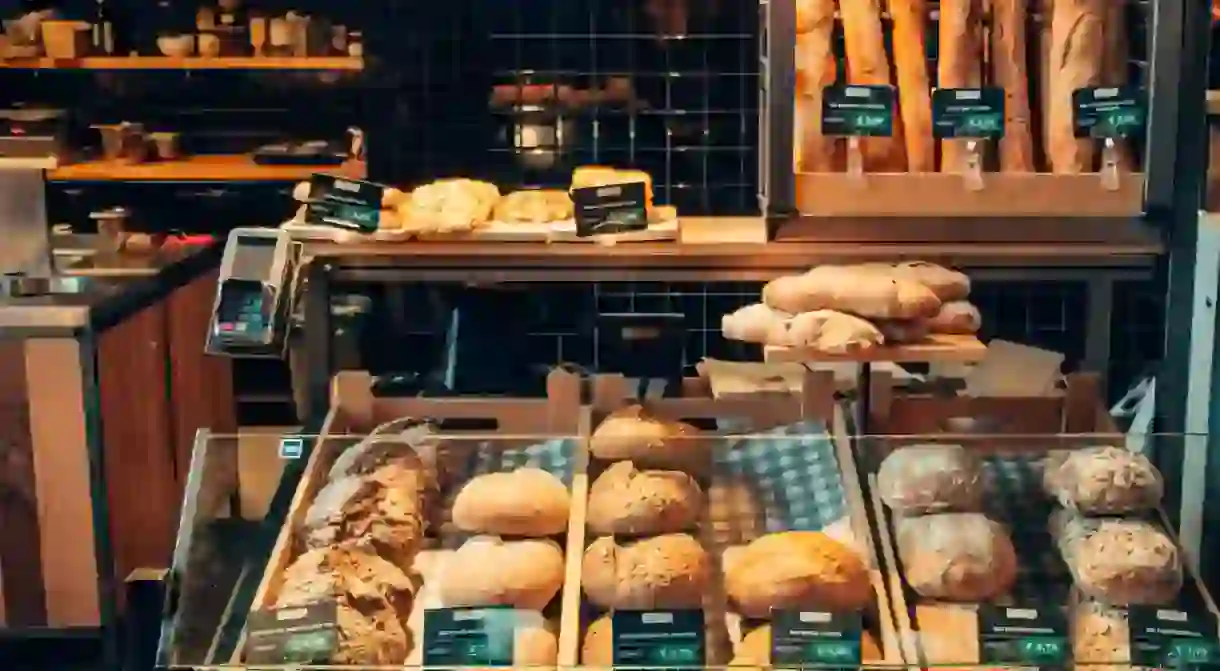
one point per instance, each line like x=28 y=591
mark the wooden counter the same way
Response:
x=204 y=168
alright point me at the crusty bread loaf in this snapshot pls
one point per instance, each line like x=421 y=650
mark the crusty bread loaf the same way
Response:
x=633 y=434
x=757 y=323
x=625 y=500
x=902 y=331
x=956 y=556
x=1118 y=561
x=794 y=570
x=959 y=64
x=449 y=206
x=668 y=571
x=910 y=22
x=830 y=331
x=488 y=571
x=868 y=292
x=1077 y=58
x=755 y=648
x=414 y=448
x=524 y=502
x=1103 y=481
x=921 y=479
x=956 y=318
x=381 y=512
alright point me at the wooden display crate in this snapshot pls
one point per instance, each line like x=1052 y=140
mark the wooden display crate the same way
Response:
x=756 y=413
x=355 y=411
x=1018 y=430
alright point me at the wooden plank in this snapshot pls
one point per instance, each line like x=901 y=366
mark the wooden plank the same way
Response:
x=21 y=571
x=187 y=63
x=936 y=348
x=202 y=168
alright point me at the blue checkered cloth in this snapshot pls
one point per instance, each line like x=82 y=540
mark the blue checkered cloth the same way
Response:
x=557 y=457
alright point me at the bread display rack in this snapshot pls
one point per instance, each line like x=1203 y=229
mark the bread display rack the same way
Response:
x=742 y=497
x=1013 y=441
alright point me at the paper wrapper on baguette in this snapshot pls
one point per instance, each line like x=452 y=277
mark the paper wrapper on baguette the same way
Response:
x=381 y=512
x=922 y=479
x=627 y=501
x=488 y=571
x=755 y=648
x=797 y=570
x=1117 y=561
x=373 y=600
x=663 y=572
x=632 y=434
x=597 y=650
x=869 y=292
x=598 y=175
x=525 y=502
x=956 y=556
x=1103 y=481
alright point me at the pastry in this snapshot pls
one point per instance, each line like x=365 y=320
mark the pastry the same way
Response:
x=1103 y=481
x=921 y=479
x=624 y=500
x=525 y=502
x=757 y=323
x=663 y=572
x=794 y=570
x=831 y=332
x=449 y=206
x=632 y=434
x=869 y=292
x=534 y=206
x=1117 y=561
x=488 y=571
x=956 y=318
x=755 y=648
x=380 y=512
x=956 y=556
x=373 y=602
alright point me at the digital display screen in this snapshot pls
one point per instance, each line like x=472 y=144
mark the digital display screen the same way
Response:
x=253 y=256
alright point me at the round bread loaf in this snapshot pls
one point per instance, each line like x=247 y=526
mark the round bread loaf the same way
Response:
x=668 y=571
x=921 y=479
x=526 y=502
x=1103 y=481
x=381 y=512
x=755 y=648
x=956 y=556
x=631 y=434
x=794 y=570
x=627 y=501
x=488 y=571
x=1118 y=561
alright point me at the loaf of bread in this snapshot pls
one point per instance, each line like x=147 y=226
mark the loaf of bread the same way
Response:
x=755 y=648
x=633 y=434
x=1077 y=58
x=535 y=642
x=831 y=331
x=902 y=332
x=1118 y=561
x=921 y=479
x=373 y=600
x=1010 y=71
x=757 y=323
x=414 y=447
x=380 y=512
x=525 y=502
x=910 y=23
x=662 y=572
x=797 y=570
x=1101 y=637
x=450 y=206
x=868 y=65
x=959 y=64
x=488 y=571
x=956 y=318
x=534 y=206
x=816 y=68
x=1103 y=481
x=868 y=292
x=955 y=556
x=626 y=501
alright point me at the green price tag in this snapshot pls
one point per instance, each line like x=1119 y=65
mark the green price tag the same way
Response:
x=860 y=111
x=469 y=636
x=344 y=203
x=806 y=637
x=1033 y=635
x=293 y=634
x=968 y=113
x=613 y=208
x=1109 y=112
x=1165 y=637
x=658 y=638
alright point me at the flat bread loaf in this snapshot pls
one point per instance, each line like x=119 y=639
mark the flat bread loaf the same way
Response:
x=527 y=502
x=633 y=434
x=1103 y=481
x=488 y=571
x=627 y=501
x=794 y=570
x=1118 y=561
x=668 y=571
x=921 y=479
x=868 y=292
x=956 y=556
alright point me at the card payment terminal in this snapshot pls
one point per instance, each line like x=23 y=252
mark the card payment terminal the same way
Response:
x=252 y=309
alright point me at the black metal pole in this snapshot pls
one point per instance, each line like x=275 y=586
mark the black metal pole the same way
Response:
x=318 y=334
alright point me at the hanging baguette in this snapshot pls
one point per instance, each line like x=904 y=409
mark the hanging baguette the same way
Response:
x=1077 y=46
x=910 y=18
x=1114 y=69
x=868 y=65
x=1008 y=48
x=960 y=64
x=815 y=70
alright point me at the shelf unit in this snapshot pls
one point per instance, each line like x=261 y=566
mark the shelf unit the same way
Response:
x=205 y=168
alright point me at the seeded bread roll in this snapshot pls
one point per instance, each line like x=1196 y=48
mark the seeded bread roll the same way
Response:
x=956 y=318
x=662 y=572
x=755 y=648
x=794 y=570
x=624 y=500
x=1103 y=481
x=632 y=434
x=526 y=502
x=373 y=600
x=381 y=512
x=921 y=479
x=1117 y=561
x=488 y=571
x=874 y=293
x=956 y=556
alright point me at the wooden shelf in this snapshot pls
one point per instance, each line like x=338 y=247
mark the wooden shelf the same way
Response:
x=206 y=168
x=935 y=348
x=189 y=63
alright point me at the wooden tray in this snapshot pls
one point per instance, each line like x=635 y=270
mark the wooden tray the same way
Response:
x=761 y=411
x=938 y=633
x=937 y=347
x=355 y=411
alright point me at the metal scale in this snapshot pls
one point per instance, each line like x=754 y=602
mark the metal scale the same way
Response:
x=252 y=312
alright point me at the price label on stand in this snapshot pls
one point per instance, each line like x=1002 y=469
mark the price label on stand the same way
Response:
x=658 y=638
x=1101 y=112
x=1027 y=635
x=349 y=204
x=614 y=208
x=860 y=111
x=968 y=114
x=306 y=634
x=469 y=636
x=1163 y=637
x=814 y=638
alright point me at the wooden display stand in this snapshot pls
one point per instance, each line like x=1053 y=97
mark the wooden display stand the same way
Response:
x=939 y=633
x=935 y=348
